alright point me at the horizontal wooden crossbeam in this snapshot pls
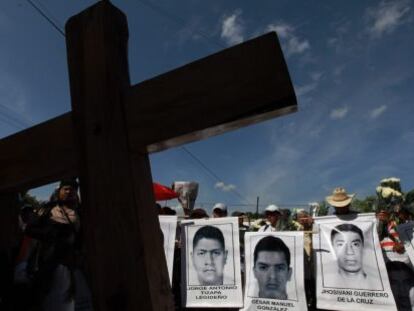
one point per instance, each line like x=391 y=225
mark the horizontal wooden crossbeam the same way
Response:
x=190 y=103
x=38 y=155
x=242 y=85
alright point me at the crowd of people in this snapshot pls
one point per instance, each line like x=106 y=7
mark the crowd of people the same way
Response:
x=390 y=212
x=47 y=272
x=48 y=261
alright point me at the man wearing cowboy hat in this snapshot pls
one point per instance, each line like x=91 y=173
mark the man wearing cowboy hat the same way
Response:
x=340 y=200
x=273 y=214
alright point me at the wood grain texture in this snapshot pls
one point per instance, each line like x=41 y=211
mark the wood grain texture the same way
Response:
x=9 y=230
x=239 y=86
x=39 y=155
x=243 y=85
x=122 y=234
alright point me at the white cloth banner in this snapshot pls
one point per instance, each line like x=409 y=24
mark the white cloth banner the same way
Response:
x=351 y=273
x=274 y=271
x=210 y=263
x=168 y=226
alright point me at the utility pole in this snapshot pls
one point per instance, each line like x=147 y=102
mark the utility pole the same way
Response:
x=257 y=207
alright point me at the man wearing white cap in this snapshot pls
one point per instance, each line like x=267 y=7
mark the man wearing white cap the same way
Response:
x=340 y=200
x=219 y=210
x=272 y=213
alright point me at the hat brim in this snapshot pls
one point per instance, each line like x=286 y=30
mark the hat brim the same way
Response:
x=343 y=203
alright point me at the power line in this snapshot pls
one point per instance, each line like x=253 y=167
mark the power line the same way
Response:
x=180 y=21
x=215 y=176
x=10 y=119
x=51 y=22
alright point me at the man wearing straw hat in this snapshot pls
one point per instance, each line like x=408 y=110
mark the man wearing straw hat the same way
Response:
x=340 y=200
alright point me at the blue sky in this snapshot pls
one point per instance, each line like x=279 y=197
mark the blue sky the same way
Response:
x=350 y=62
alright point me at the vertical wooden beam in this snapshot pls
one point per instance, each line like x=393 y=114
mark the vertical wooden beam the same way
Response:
x=9 y=220
x=122 y=234
x=9 y=236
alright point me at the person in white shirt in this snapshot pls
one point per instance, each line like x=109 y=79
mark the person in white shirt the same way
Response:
x=272 y=213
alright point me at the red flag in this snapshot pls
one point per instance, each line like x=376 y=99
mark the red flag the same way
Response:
x=162 y=193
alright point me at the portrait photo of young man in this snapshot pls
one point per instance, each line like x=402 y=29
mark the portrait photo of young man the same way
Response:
x=272 y=268
x=209 y=255
x=210 y=261
x=349 y=253
x=348 y=243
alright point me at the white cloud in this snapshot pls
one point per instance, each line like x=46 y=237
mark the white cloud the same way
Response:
x=387 y=16
x=305 y=89
x=339 y=113
x=223 y=187
x=284 y=31
x=232 y=28
x=375 y=113
x=290 y=41
x=302 y=90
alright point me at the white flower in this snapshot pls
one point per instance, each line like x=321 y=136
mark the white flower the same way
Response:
x=386 y=192
x=379 y=189
x=397 y=193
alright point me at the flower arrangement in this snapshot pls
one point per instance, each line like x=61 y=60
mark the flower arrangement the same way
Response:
x=392 y=182
x=389 y=193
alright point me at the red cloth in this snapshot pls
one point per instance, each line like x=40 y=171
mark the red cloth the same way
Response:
x=162 y=193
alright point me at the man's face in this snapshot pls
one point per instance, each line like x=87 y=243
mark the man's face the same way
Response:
x=305 y=220
x=342 y=210
x=209 y=259
x=383 y=216
x=218 y=213
x=67 y=193
x=272 y=274
x=272 y=217
x=348 y=248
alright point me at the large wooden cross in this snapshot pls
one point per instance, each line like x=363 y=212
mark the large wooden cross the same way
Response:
x=113 y=127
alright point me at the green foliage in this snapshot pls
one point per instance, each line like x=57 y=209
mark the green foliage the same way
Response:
x=366 y=205
x=409 y=197
x=31 y=200
x=323 y=208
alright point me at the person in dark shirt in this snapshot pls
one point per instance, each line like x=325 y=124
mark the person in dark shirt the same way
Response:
x=340 y=200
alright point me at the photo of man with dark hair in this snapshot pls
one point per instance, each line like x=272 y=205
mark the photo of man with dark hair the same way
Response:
x=211 y=274
x=271 y=267
x=348 y=244
x=350 y=267
x=348 y=253
x=209 y=255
